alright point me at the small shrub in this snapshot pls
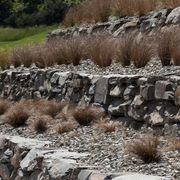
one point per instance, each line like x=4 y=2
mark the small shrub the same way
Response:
x=86 y=115
x=109 y=126
x=141 y=53
x=4 y=106
x=22 y=56
x=65 y=127
x=132 y=7
x=145 y=148
x=164 y=48
x=40 y=123
x=175 y=49
x=51 y=108
x=17 y=115
x=123 y=53
x=100 y=50
x=4 y=59
x=174 y=145
x=89 y=11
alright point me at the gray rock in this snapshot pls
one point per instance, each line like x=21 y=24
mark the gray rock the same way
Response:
x=115 y=92
x=139 y=177
x=101 y=91
x=137 y=109
x=164 y=90
x=147 y=92
x=174 y=16
x=4 y=172
x=177 y=96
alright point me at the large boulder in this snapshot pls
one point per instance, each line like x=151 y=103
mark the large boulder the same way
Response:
x=174 y=16
x=139 y=177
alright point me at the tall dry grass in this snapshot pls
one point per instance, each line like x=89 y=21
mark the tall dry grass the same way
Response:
x=92 y=11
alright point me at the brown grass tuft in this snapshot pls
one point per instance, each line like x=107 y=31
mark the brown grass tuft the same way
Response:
x=4 y=106
x=89 y=11
x=22 y=55
x=123 y=53
x=17 y=115
x=4 y=59
x=174 y=145
x=175 y=49
x=100 y=49
x=40 y=123
x=141 y=52
x=108 y=127
x=164 y=48
x=65 y=127
x=145 y=148
x=132 y=7
x=51 y=108
x=86 y=115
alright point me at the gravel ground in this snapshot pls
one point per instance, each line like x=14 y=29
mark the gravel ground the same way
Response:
x=153 y=67
x=107 y=151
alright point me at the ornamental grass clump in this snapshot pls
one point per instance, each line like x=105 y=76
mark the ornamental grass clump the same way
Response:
x=17 y=115
x=85 y=116
x=146 y=148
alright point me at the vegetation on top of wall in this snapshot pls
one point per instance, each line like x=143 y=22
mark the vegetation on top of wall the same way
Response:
x=99 y=10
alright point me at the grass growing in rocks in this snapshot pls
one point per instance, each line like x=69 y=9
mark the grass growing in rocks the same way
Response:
x=145 y=148
x=102 y=50
x=99 y=10
x=105 y=141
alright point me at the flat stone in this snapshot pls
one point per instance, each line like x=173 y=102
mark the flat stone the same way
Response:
x=177 y=96
x=101 y=91
x=147 y=92
x=139 y=177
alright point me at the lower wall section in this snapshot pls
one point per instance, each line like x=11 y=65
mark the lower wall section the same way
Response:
x=153 y=99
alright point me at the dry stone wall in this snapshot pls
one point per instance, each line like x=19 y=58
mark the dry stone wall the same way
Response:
x=154 y=99
x=147 y=23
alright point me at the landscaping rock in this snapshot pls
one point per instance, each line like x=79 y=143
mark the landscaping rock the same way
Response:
x=174 y=16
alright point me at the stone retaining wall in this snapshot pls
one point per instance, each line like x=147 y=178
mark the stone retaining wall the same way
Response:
x=146 y=23
x=154 y=100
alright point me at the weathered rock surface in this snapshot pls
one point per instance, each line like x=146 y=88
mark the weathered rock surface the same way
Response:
x=118 y=27
x=39 y=162
x=120 y=95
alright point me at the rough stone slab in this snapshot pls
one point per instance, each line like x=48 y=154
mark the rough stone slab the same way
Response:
x=27 y=142
x=139 y=177
x=174 y=16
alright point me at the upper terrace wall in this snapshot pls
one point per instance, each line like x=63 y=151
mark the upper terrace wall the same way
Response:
x=147 y=23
